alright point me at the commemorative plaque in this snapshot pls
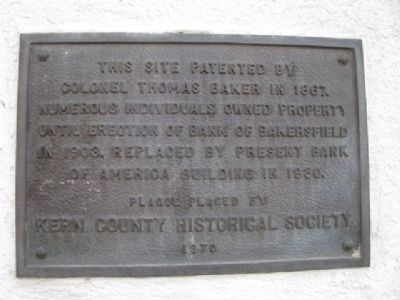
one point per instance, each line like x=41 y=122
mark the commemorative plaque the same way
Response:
x=148 y=155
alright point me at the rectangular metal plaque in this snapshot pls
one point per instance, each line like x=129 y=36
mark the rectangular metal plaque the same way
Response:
x=146 y=155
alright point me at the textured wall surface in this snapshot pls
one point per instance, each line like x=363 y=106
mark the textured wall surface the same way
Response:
x=376 y=22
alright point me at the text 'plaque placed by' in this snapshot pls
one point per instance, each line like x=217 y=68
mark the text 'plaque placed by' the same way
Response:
x=149 y=155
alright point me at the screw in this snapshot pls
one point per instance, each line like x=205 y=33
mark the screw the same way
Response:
x=41 y=253
x=343 y=60
x=348 y=246
x=43 y=55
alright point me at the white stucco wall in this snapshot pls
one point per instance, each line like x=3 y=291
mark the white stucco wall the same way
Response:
x=377 y=23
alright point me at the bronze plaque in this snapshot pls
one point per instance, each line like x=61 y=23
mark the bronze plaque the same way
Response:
x=146 y=155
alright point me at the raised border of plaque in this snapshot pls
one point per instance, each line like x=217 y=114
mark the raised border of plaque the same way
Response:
x=24 y=270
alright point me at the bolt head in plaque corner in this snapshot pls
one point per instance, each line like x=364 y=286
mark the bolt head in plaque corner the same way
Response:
x=41 y=54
